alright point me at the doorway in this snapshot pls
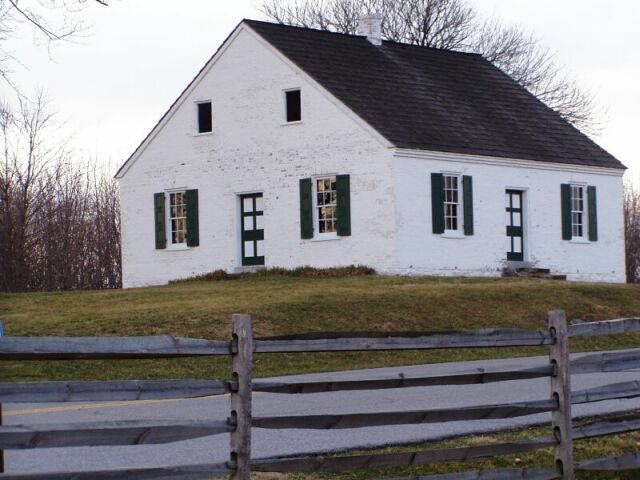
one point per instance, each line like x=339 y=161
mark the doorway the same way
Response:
x=252 y=229
x=515 y=222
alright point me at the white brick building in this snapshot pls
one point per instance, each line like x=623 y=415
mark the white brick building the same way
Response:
x=297 y=147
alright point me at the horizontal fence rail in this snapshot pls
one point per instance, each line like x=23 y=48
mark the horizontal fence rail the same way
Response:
x=604 y=428
x=348 y=341
x=124 y=432
x=379 y=419
x=630 y=461
x=477 y=376
x=71 y=348
x=188 y=472
x=394 y=460
x=607 y=362
x=606 y=327
x=606 y=392
x=102 y=391
x=499 y=474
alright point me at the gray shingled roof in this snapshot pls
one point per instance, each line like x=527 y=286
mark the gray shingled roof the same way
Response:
x=430 y=99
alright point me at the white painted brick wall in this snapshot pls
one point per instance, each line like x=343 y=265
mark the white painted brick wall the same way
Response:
x=419 y=251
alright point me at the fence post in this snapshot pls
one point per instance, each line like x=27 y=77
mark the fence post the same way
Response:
x=242 y=369
x=561 y=392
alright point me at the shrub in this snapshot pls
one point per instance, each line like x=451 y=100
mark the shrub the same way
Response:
x=300 y=272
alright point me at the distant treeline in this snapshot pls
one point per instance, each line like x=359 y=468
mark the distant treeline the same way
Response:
x=632 y=231
x=59 y=219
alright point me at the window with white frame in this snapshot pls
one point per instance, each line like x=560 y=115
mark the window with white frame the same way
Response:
x=178 y=217
x=451 y=203
x=325 y=200
x=578 y=211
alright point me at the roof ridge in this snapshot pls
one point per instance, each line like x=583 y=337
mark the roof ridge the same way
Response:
x=352 y=35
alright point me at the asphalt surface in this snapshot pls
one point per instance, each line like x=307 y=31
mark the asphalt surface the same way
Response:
x=285 y=442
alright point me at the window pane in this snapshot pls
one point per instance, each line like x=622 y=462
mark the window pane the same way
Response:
x=259 y=222
x=517 y=245
x=516 y=201
x=248 y=249
x=259 y=204
x=326 y=204
x=260 y=248
x=451 y=202
x=205 y=123
x=294 y=113
x=516 y=219
x=247 y=205
x=177 y=217
x=248 y=223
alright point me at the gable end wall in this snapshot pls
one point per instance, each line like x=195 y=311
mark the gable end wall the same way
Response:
x=250 y=150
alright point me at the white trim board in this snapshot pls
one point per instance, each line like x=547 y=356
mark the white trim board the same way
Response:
x=505 y=162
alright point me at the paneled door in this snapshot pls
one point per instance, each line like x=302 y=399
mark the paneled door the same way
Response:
x=252 y=236
x=515 y=222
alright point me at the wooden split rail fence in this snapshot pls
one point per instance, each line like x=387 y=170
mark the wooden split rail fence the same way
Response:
x=241 y=385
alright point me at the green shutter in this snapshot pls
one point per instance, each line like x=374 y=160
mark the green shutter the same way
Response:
x=159 y=216
x=437 y=202
x=593 y=214
x=306 y=209
x=193 y=234
x=467 y=192
x=343 y=190
x=565 y=192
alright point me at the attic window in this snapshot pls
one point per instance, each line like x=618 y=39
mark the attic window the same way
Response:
x=292 y=98
x=205 y=123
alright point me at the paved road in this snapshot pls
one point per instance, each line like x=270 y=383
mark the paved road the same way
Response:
x=270 y=442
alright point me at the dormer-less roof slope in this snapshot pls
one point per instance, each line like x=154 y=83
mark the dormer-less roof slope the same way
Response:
x=430 y=99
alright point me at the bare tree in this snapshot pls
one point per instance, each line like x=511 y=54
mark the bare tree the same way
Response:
x=453 y=25
x=52 y=20
x=59 y=220
x=632 y=230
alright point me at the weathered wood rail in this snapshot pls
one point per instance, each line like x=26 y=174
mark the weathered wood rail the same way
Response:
x=241 y=385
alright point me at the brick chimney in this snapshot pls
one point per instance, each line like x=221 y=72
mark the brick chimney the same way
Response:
x=371 y=26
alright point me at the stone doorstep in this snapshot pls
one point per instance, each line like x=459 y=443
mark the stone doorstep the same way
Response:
x=529 y=272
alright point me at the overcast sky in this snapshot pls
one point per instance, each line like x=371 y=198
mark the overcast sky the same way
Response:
x=113 y=85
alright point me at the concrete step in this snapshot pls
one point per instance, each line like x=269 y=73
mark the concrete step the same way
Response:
x=530 y=272
x=533 y=270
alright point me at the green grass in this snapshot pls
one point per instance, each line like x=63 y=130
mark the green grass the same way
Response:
x=282 y=304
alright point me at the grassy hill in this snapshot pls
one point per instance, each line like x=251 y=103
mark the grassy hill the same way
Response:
x=283 y=304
